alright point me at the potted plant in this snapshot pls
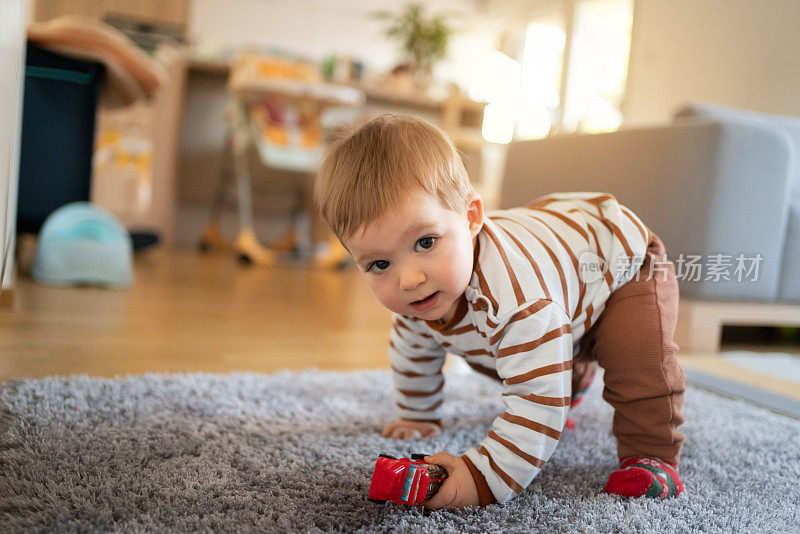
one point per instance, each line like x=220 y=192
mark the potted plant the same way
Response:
x=423 y=39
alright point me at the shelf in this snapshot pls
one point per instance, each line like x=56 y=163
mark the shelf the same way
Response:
x=470 y=138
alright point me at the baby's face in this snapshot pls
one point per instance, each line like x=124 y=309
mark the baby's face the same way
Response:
x=418 y=258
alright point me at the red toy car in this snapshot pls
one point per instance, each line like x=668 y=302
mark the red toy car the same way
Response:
x=405 y=481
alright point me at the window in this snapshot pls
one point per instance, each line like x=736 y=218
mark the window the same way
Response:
x=542 y=61
x=596 y=61
x=598 y=65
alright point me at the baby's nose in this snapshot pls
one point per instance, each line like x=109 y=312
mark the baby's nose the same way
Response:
x=411 y=279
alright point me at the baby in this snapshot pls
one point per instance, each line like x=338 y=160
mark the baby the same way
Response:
x=534 y=297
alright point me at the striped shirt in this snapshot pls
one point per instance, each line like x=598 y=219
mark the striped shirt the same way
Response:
x=532 y=295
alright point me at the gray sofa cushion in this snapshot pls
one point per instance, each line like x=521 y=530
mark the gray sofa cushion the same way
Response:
x=785 y=123
x=705 y=186
x=789 y=285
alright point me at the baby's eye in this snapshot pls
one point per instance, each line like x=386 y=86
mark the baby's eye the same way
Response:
x=425 y=243
x=378 y=266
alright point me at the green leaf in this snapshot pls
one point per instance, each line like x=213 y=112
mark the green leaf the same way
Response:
x=423 y=40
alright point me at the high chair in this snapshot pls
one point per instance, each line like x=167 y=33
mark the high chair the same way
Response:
x=276 y=107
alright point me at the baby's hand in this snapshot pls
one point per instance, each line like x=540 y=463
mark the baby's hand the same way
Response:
x=405 y=429
x=458 y=490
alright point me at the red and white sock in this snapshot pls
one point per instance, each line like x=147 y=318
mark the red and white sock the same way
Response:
x=644 y=477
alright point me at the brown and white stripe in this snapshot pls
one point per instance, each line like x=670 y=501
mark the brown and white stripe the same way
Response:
x=527 y=307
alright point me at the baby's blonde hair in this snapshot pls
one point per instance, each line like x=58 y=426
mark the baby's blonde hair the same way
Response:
x=368 y=172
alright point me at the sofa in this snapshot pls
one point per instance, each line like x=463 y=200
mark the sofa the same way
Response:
x=714 y=181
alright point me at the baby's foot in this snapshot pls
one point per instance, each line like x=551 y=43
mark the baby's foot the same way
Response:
x=648 y=477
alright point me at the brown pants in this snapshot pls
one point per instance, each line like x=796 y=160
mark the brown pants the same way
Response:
x=632 y=342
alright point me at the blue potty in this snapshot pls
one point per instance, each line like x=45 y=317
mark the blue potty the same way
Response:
x=82 y=244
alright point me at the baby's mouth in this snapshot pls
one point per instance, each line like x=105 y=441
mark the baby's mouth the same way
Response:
x=426 y=299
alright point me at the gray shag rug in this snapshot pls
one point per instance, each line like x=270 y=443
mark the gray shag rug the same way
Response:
x=294 y=452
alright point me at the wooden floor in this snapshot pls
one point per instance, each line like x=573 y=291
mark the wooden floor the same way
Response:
x=190 y=312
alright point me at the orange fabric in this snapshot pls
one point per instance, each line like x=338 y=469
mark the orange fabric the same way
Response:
x=132 y=74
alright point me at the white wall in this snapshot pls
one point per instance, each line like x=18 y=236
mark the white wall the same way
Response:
x=735 y=52
x=316 y=28
x=12 y=59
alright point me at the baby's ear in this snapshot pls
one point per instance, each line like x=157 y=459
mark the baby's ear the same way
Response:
x=475 y=213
